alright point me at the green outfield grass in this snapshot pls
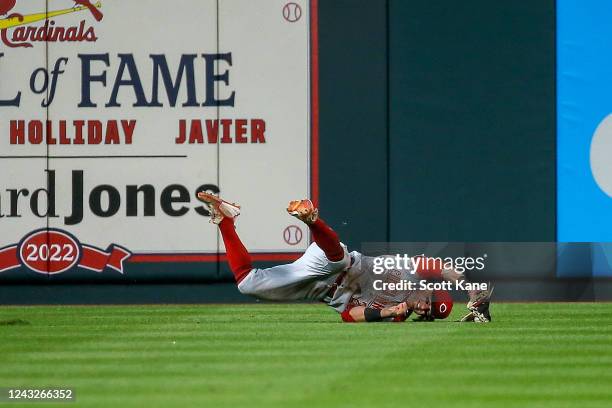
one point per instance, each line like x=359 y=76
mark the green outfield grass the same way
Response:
x=532 y=355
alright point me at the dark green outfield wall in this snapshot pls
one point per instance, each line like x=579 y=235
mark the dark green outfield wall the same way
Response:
x=468 y=150
x=353 y=118
x=472 y=127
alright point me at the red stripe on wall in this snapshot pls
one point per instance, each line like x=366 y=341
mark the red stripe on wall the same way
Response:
x=178 y=258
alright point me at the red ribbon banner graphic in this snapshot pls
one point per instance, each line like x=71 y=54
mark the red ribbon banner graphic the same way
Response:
x=8 y=258
x=93 y=259
x=97 y=260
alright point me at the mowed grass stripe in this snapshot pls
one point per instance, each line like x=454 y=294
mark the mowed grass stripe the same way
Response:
x=541 y=355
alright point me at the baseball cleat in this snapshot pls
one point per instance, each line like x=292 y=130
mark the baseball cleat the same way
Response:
x=218 y=208
x=478 y=315
x=479 y=307
x=304 y=210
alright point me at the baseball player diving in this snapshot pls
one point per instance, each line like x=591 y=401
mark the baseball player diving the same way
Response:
x=327 y=272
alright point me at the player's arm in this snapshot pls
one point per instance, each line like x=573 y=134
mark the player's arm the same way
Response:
x=366 y=314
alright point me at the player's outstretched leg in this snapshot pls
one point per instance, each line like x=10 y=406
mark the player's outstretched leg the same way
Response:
x=325 y=237
x=223 y=213
x=299 y=280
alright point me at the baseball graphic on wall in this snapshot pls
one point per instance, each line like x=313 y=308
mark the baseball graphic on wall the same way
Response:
x=601 y=155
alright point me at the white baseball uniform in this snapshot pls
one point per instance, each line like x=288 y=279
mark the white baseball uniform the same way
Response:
x=308 y=278
x=314 y=277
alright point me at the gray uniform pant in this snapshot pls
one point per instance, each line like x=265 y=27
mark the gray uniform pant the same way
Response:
x=308 y=278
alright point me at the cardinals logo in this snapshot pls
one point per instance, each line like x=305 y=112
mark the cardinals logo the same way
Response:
x=17 y=30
